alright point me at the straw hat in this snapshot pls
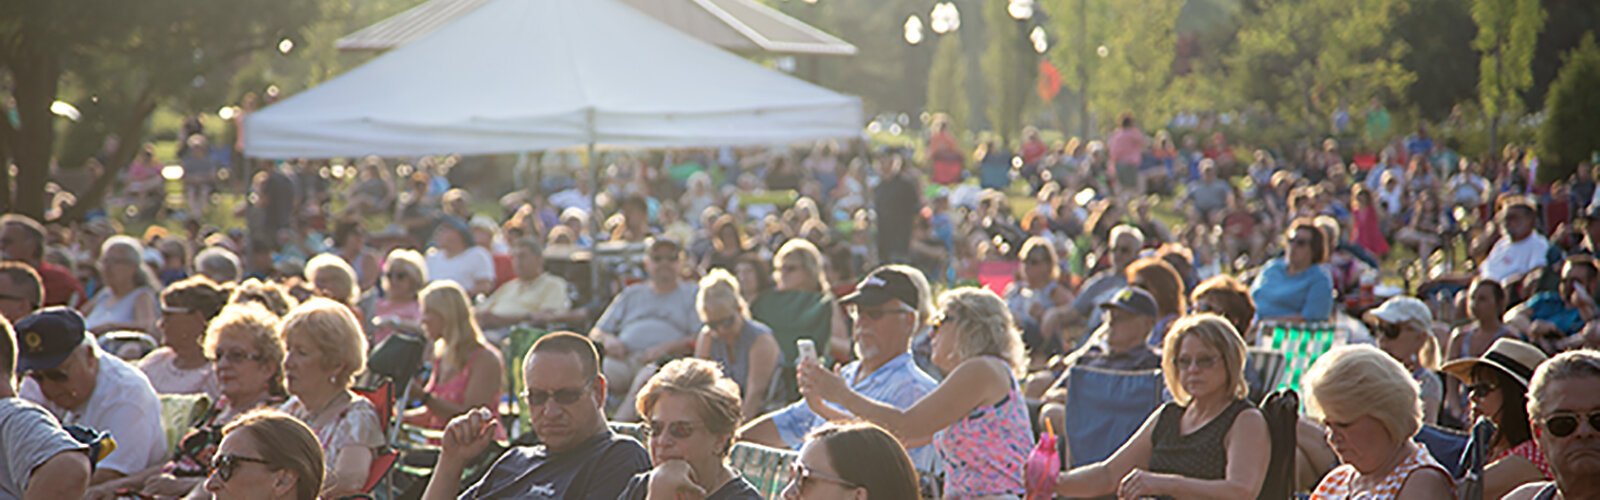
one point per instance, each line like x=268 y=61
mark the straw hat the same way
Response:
x=1514 y=357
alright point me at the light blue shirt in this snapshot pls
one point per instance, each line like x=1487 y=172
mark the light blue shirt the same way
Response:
x=1278 y=293
x=898 y=383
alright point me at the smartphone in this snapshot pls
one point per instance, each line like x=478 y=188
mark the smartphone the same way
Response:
x=808 y=350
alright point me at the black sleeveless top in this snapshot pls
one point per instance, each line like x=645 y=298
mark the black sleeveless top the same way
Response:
x=1203 y=454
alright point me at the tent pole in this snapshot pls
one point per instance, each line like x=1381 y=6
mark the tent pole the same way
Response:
x=595 y=219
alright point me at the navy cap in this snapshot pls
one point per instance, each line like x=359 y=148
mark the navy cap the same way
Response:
x=46 y=337
x=883 y=284
x=1134 y=300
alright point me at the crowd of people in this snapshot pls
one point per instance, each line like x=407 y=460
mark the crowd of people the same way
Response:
x=907 y=323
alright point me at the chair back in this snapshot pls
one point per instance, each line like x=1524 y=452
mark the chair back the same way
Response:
x=1446 y=445
x=1106 y=407
x=179 y=413
x=1263 y=370
x=1281 y=409
x=766 y=468
x=1301 y=345
x=517 y=346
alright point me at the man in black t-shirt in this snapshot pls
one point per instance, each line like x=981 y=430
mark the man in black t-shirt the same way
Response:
x=580 y=456
x=897 y=201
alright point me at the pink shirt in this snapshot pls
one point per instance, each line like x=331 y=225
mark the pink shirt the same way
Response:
x=1126 y=145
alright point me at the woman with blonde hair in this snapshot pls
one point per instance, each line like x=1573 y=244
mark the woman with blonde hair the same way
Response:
x=127 y=301
x=269 y=294
x=1207 y=443
x=1369 y=404
x=466 y=370
x=744 y=347
x=405 y=272
x=976 y=417
x=802 y=305
x=691 y=412
x=331 y=277
x=1403 y=327
x=325 y=353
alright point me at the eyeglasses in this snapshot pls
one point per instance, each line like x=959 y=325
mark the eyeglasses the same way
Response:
x=725 y=322
x=562 y=397
x=1201 y=362
x=395 y=275
x=52 y=375
x=224 y=465
x=678 y=430
x=1563 y=425
x=799 y=475
x=664 y=257
x=1481 y=390
x=1300 y=242
x=1390 y=331
x=876 y=314
x=239 y=356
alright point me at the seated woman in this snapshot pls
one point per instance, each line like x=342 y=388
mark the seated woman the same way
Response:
x=266 y=453
x=247 y=361
x=852 y=460
x=467 y=371
x=180 y=365
x=395 y=307
x=1209 y=443
x=1486 y=305
x=976 y=417
x=331 y=277
x=1497 y=384
x=1403 y=327
x=326 y=351
x=744 y=347
x=127 y=298
x=1295 y=287
x=803 y=304
x=691 y=411
x=1369 y=404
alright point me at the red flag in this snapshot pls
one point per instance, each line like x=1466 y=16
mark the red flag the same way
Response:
x=1049 y=81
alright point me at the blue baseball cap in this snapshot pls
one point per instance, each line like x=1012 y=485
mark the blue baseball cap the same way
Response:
x=46 y=337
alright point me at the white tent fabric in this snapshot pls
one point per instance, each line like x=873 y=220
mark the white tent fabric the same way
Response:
x=529 y=75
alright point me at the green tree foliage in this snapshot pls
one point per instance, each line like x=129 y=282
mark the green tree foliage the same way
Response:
x=1439 y=34
x=1572 y=110
x=947 y=90
x=1135 y=72
x=1009 y=66
x=1508 y=31
x=126 y=59
x=1300 y=59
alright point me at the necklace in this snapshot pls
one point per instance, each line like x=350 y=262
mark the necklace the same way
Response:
x=335 y=400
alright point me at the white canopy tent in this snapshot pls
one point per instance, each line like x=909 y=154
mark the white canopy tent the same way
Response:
x=529 y=75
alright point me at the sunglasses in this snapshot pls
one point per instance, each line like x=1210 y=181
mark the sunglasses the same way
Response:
x=1390 y=331
x=224 y=465
x=239 y=356
x=726 y=322
x=799 y=475
x=1201 y=362
x=876 y=314
x=1300 y=242
x=678 y=430
x=1565 y=424
x=1481 y=390
x=396 y=275
x=562 y=397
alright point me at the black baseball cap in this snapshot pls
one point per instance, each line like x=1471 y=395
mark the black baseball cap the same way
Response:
x=1134 y=300
x=46 y=337
x=883 y=284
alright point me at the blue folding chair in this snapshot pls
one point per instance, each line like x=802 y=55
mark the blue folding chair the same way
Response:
x=1106 y=407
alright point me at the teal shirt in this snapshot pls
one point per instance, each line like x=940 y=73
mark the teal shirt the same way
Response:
x=1278 y=293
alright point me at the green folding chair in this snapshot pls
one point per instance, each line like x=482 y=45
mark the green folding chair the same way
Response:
x=1301 y=345
x=179 y=413
x=517 y=346
x=766 y=468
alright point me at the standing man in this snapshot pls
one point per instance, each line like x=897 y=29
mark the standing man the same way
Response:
x=22 y=239
x=897 y=200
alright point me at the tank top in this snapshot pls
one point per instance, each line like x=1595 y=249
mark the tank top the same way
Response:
x=109 y=308
x=1337 y=485
x=735 y=359
x=454 y=390
x=984 y=453
x=1202 y=454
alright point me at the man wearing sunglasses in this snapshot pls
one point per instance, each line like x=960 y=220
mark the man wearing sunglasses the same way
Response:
x=1126 y=241
x=579 y=456
x=885 y=307
x=40 y=459
x=1564 y=407
x=20 y=290
x=68 y=374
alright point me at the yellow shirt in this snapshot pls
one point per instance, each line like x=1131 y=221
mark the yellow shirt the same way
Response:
x=517 y=297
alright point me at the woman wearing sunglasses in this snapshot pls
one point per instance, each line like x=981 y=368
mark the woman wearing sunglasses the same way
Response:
x=1403 y=327
x=855 y=460
x=396 y=306
x=1209 y=443
x=1497 y=384
x=180 y=365
x=1296 y=287
x=266 y=454
x=247 y=356
x=745 y=348
x=691 y=411
x=976 y=417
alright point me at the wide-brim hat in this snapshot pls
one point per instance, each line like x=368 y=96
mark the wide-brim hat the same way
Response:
x=1514 y=357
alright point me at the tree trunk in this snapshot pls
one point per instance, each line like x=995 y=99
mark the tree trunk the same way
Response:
x=126 y=149
x=36 y=72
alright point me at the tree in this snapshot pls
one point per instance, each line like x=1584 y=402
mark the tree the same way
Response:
x=1301 y=58
x=1010 y=66
x=1572 y=110
x=1508 y=31
x=947 y=90
x=126 y=60
x=1134 y=72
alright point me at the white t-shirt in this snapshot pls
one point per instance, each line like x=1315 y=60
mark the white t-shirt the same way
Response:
x=124 y=405
x=466 y=268
x=1510 y=259
x=160 y=366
